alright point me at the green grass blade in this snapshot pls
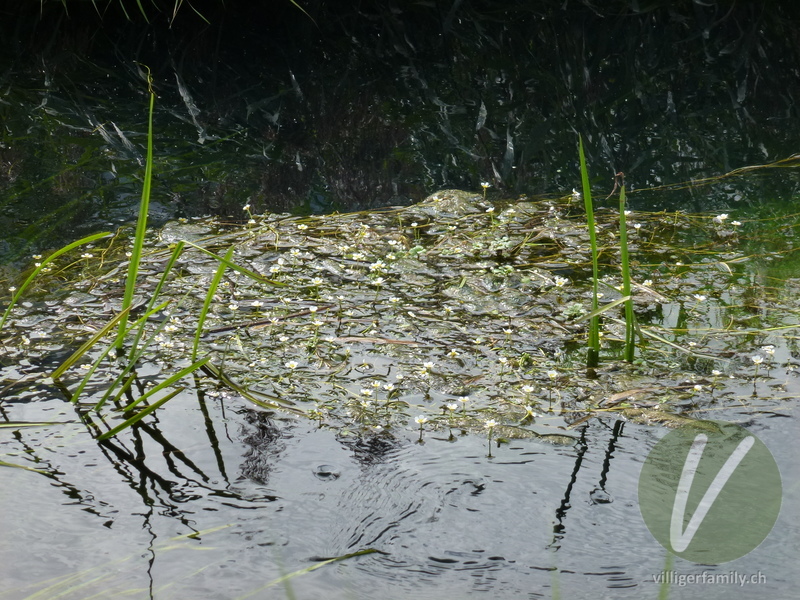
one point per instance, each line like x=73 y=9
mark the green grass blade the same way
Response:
x=626 y=279
x=593 y=358
x=238 y=268
x=156 y=293
x=76 y=394
x=88 y=344
x=168 y=382
x=8 y=464
x=209 y=297
x=87 y=240
x=139 y=416
x=313 y=567
x=141 y=224
x=606 y=307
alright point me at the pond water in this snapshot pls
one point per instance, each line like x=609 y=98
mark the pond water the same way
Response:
x=297 y=469
x=314 y=453
x=271 y=495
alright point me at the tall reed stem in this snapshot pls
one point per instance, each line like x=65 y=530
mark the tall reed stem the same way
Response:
x=141 y=225
x=593 y=356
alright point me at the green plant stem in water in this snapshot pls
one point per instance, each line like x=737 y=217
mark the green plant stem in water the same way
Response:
x=141 y=225
x=593 y=357
x=626 y=280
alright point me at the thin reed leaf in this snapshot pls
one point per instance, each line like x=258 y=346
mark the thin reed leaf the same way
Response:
x=140 y=415
x=630 y=345
x=156 y=293
x=15 y=466
x=238 y=268
x=606 y=307
x=209 y=297
x=593 y=357
x=313 y=567
x=271 y=402
x=168 y=382
x=141 y=224
x=75 y=357
x=132 y=361
x=18 y=293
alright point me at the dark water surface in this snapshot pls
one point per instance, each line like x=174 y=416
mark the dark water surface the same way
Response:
x=381 y=104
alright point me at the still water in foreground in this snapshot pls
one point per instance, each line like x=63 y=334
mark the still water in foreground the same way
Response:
x=271 y=496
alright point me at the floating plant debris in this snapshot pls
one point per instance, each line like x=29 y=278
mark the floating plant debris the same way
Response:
x=443 y=316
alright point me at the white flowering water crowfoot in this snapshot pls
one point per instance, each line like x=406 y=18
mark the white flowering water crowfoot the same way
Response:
x=490 y=425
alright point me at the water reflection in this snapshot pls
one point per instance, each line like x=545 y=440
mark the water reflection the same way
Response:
x=244 y=486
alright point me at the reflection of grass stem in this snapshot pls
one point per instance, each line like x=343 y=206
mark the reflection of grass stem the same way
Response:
x=593 y=357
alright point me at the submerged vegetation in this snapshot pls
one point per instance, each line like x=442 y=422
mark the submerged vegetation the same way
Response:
x=459 y=313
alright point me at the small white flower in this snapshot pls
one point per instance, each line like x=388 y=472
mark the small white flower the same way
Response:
x=246 y=207
x=421 y=420
x=452 y=406
x=716 y=373
x=302 y=226
x=12 y=289
x=490 y=209
x=647 y=282
x=552 y=374
x=699 y=297
x=757 y=360
x=698 y=388
x=257 y=304
x=453 y=353
x=720 y=218
x=490 y=424
x=366 y=392
x=463 y=399
x=233 y=306
x=770 y=350
x=637 y=226
x=428 y=365
x=485 y=184
x=527 y=389
x=291 y=365
x=736 y=223
x=388 y=387
x=317 y=281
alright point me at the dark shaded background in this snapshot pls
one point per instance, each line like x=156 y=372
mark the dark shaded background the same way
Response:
x=362 y=104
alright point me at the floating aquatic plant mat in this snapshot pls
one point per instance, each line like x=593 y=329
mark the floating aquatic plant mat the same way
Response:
x=455 y=314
